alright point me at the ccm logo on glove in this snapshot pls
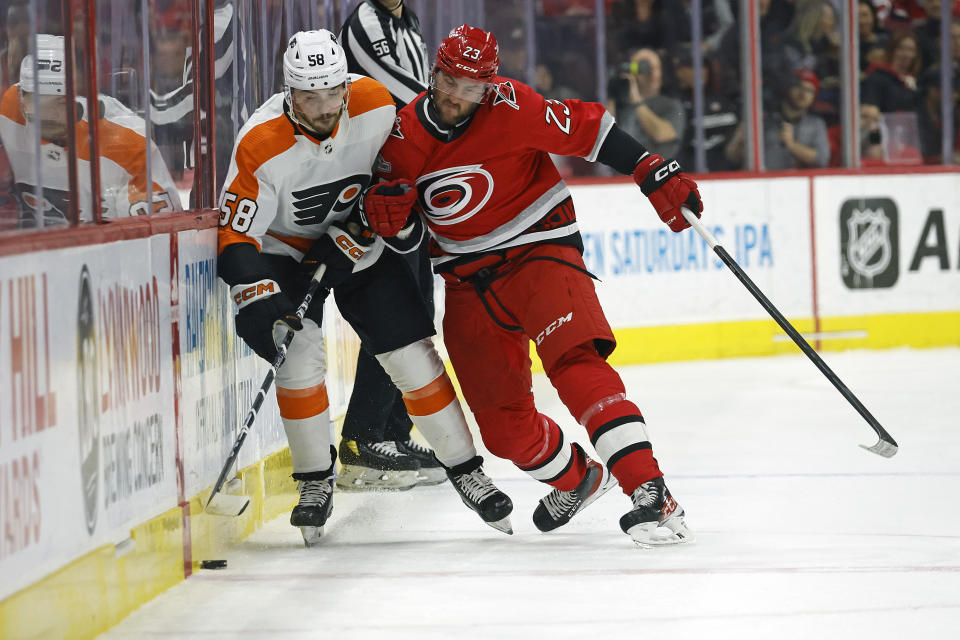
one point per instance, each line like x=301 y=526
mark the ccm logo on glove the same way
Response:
x=668 y=189
x=244 y=294
x=347 y=246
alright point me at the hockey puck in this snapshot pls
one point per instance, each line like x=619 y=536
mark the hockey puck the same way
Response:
x=213 y=564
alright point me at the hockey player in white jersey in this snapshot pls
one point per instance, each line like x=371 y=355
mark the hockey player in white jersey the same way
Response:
x=297 y=170
x=40 y=101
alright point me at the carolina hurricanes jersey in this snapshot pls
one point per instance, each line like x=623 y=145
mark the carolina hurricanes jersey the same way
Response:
x=122 y=147
x=489 y=183
x=284 y=187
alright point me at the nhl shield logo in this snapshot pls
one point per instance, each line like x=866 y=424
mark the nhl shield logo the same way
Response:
x=869 y=243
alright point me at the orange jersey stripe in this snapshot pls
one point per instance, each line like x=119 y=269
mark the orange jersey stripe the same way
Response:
x=299 y=404
x=263 y=142
x=300 y=244
x=10 y=105
x=428 y=400
x=366 y=94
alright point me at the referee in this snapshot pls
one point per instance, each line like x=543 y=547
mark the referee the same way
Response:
x=382 y=40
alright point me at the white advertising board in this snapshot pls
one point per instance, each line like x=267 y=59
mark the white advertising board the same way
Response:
x=220 y=375
x=86 y=425
x=888 y=244
x=652 y=276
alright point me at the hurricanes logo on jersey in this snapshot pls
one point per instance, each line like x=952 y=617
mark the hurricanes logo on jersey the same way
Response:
x=505 y=93
x=455 y=194
x=313 y=205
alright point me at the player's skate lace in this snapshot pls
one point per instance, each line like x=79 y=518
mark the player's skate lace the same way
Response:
x=314 y=492
x=415 y=446
x=559 y=503
x=476 y=486
x=645 y=495
x=386 y=448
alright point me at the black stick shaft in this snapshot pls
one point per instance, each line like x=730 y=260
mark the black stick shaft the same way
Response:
x=802 y=343
x=267 y=383
x=794 y=334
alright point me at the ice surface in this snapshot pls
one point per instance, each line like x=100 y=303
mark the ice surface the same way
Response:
x=801 y=534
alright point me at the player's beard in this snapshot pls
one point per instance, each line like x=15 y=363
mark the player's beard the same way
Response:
x=322 y=125
x=452 y=112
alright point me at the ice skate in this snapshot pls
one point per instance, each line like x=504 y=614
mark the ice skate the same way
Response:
x=558 y=507
x=369 y=466
x=656 y=519
x=478 y=492
x=316 y=504
x=431 y=471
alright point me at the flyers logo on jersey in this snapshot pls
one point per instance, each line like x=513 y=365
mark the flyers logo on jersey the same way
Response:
x=455 y=194
x=314 y=204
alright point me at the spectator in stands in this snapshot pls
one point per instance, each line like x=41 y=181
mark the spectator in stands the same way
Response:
x=720 y=117
x=41 y=101
x=656 y=120
x=873 y=39
x=634 y=24
x=792 y=137
x=775 y=16
x=929 y=115
x=871 y=134
x=812 y=33
x=892 y=86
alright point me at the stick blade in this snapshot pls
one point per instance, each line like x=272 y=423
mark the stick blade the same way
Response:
x=883 y=448
x=224 y=504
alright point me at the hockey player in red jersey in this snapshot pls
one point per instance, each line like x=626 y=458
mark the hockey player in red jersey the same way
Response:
x=476 y=148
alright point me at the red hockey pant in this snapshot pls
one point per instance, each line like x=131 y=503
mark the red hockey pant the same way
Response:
x=556 y=306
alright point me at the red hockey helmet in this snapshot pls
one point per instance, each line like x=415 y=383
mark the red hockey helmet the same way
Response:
x=469 y=52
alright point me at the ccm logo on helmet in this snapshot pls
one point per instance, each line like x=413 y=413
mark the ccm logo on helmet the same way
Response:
x=348 y=247
x=553 y=326
x=663 y=172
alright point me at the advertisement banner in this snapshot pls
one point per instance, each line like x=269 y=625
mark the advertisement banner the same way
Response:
x=887 y=244
x=651 y=276
x=86 y=427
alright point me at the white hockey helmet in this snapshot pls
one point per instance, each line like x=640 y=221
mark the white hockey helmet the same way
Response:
x=314 y=60
x=51 y=76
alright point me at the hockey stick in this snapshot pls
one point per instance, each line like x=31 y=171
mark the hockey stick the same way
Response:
x=886 y=446
x=223 y=504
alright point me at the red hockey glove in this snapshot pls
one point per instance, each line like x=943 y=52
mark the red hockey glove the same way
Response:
x=387 y=205
x=668 y=188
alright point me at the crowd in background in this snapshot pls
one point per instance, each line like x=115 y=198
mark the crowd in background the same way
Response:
x=650 y=55
x=641 y=65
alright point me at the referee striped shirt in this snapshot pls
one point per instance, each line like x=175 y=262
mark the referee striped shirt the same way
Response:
x=387 y=49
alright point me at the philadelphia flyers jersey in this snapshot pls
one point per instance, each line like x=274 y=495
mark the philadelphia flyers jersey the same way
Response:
x=285 y=187
x=122 y=147
x=489 y=183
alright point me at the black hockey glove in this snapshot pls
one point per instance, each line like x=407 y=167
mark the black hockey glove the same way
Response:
x=339 y=248
x=265 y=313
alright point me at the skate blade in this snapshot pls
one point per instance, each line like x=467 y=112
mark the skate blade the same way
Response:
x=649 y=536
x=371 y=480
x=503 y=525
x=225 y=504
x=311 y=536
x=430 y=477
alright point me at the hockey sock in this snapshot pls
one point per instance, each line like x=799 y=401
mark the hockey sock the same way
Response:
x=306 y=421
x=594 y=393
x=558 y=464
x=430 y=399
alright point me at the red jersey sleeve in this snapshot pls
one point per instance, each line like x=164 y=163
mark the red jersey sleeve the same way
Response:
x=561 y=127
